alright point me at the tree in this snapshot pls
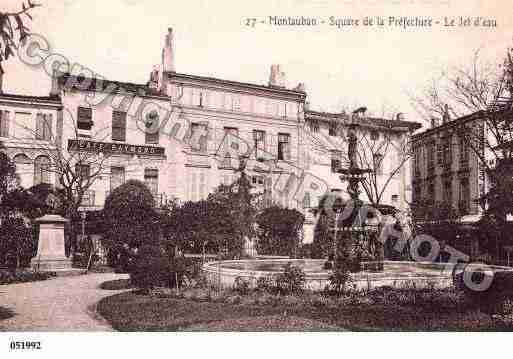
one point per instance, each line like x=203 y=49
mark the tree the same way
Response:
x=279 y=231
x=239 y=204
x=222 y=222
x=76 y=170
x=16 y=242
x=7 y=177
x=194 y=227
x=130 y=218
x=383 y=149
x=13 y=30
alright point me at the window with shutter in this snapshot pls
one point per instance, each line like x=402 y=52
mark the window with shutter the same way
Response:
x=4 y=124
x=84 y=118
x=440 y=154
x=314 y=126
x=47 y=127
x=152 y=128
x=39 y=126
x=284 y=146
x=374 y=135
x=201 y=144
x=151 y=179
x=41 y=170
x=333 y=129
x=118 y=126
x=117 y=177
x=236 y=103
x=259 y=138
x=336 y=161
x=378 y=163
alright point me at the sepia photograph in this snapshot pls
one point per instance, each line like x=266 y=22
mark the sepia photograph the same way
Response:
x=305 y=166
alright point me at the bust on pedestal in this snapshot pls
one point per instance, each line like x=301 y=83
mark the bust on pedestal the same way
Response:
x=51 y=255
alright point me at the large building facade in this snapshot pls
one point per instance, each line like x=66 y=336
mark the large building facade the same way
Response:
x=184 y=135
x=446 y=171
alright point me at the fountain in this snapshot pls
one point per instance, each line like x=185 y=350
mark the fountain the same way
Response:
x=351 y=229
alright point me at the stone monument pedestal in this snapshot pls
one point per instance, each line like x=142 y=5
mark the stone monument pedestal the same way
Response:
x=51 y=255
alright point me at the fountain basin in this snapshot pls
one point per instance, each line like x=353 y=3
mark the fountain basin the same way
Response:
x=395 y=273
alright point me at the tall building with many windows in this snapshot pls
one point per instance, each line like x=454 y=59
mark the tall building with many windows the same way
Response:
x=446 y=172
x=184 y=135
x=28 y=128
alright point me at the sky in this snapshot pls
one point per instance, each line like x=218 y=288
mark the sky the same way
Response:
x=341 y=68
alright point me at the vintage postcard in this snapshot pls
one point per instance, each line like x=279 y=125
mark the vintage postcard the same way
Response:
x=254 y=166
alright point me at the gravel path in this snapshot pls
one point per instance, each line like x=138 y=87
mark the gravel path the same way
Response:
x=58 y=304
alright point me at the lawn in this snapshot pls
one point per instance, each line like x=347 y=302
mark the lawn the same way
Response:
x=136 y=312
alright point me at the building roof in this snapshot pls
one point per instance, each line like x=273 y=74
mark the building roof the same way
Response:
x=145 y=90
x=448 y=125
x=108 y=85
x=28 y=98
x=367 y=121
x=301 y=94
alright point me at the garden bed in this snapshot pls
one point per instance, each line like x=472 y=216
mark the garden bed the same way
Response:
x=22 y=276
x=385 y=309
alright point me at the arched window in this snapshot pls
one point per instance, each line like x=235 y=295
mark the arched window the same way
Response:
x=41 y=170
x=22 y=159
x=23 y=169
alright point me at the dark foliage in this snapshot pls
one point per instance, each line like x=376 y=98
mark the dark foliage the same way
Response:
x=279 y=231
x=130 y=219
x=17 y=245
x=117 y=284
x=241 y=285
x=291 y=281
x=218 y=224
x=340 y=278
x=7 y=173
x=8 y=277
x=493 y=299
x=200 y=226
x=154 y=268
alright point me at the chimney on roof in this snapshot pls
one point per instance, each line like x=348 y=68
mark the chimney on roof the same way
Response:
x=359 y=113
x=154 y=82
x=446 y=116
x=277 y=77
x=56 y=89
x=168 y=52
x=300 y=87
x=434 y=122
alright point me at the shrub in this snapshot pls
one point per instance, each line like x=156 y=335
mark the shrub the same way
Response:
x=130 y=218
x=279 y=231
x=339 y=279
x=8 y=277
x=291 y=281
x=266 y=284
x=151 y=268
x=241 y=285
x=16 y=243
x=492 y=299
x=234 y=299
